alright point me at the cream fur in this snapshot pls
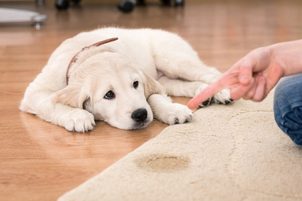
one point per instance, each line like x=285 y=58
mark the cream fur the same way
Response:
x=161 y=62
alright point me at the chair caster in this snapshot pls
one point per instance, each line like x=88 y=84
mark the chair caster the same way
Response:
x=64 y=4
x=175 y=3
x=38 y=21
x=126 y=6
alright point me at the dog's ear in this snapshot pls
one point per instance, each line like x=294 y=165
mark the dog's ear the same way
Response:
x=151 y=86
x=72 y=95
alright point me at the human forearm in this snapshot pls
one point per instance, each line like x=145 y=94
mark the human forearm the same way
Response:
x=288 y=56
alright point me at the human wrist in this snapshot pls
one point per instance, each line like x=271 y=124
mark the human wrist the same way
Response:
x=277 y=63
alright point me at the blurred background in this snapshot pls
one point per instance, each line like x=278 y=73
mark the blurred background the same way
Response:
x=220 y=30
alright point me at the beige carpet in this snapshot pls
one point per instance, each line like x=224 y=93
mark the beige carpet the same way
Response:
x=228 y=153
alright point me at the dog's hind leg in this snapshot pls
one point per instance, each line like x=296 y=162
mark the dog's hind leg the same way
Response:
x=175 y=58
x=186 y=67
x=176 y=87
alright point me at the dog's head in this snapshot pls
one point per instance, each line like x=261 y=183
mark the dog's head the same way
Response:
x=112 y=89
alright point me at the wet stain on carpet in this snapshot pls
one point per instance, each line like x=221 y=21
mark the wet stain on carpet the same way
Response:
x=162 y=163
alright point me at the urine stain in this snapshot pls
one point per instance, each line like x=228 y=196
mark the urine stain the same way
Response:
x=162 y=163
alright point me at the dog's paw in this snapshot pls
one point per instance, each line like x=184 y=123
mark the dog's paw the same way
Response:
x=78 y=120
x=178 y=114
x=223 y=97
x=206 y=102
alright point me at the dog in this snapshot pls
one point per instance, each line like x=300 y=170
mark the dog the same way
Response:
x=120 y=76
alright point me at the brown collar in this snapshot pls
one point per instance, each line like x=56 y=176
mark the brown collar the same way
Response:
x=76 y=56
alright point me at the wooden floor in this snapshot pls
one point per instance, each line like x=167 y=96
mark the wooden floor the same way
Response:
x=40 y=161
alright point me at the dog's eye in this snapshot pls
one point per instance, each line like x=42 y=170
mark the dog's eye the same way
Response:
x=109 y=95
x=135 y=84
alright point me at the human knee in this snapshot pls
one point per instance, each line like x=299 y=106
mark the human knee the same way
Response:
x=291 y=124
x=288 y=109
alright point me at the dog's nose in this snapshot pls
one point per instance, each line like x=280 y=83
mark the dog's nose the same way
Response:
x=139 y=115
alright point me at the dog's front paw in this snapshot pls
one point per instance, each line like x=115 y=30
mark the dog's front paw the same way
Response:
x=78 y=120
x=178 y=114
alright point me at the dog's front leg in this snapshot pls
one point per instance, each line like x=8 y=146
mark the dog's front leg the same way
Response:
x=72 y=119
x=166 y=111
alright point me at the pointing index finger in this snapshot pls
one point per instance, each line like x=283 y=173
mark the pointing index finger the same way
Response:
x=225 y=81
x=205 y=94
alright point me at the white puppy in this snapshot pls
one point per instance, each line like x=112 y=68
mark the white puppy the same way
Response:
x=123 y=82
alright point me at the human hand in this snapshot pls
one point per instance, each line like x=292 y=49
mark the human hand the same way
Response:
x=252 y=77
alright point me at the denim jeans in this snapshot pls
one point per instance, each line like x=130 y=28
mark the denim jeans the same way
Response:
x=288 y=107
